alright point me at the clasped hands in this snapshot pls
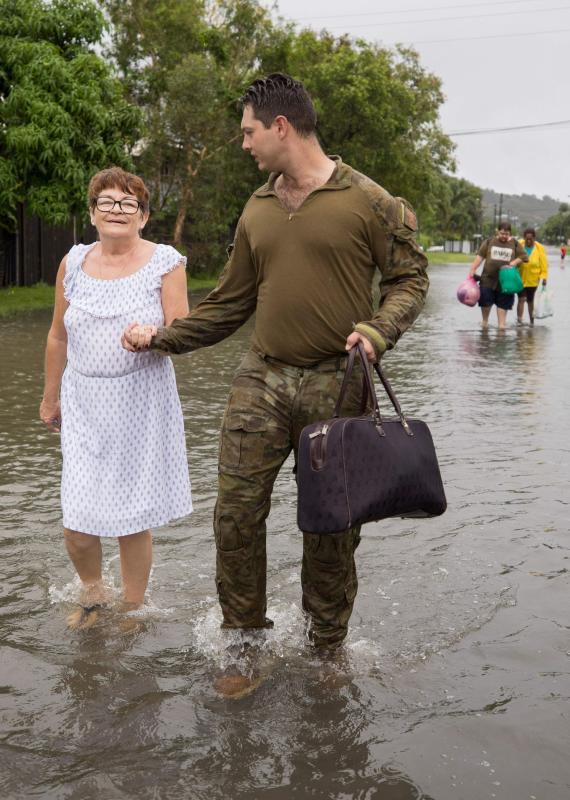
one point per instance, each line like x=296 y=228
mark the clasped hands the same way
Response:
x=137 y=337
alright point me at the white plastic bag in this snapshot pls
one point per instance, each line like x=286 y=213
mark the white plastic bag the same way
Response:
x=543 y=303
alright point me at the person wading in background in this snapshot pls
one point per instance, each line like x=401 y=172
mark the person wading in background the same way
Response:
x=501 y=250
x=532 y=272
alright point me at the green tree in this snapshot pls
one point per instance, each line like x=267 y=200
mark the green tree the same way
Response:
x=62 y=114
x=186 y=64
x=456 y=210
x=557 y=228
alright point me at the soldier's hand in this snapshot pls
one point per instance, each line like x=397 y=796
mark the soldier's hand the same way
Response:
x=356 y=337
x=137 y=337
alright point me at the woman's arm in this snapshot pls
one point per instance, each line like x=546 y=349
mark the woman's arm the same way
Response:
x=174 y=300
x=174 y=294
x=55 y=358
x=543 y=265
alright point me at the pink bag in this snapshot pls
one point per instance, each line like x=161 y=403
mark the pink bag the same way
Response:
x=468 y=292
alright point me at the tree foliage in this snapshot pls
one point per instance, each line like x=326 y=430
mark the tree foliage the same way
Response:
x=182 y=66
x=186 y=63
x=456 y=211
x=62 y=113
x=557 y=228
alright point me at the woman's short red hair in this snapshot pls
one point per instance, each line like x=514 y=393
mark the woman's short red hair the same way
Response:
x=117 y=178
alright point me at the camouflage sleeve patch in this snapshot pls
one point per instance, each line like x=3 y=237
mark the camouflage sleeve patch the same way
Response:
x=407 y=215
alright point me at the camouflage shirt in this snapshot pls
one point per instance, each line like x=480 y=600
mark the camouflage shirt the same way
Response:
x=308 y=274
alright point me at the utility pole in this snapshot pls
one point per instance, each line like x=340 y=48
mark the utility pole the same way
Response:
x=500 y=208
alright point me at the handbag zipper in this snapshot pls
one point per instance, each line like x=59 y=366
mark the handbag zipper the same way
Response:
x=323 y=432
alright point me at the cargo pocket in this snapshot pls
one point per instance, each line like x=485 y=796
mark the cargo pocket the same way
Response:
x=350 y=590
x=227 y=534
x=243 y=440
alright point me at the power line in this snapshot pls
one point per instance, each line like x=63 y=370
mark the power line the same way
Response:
x=479 y=38
x=408 y=10
x=465 y=16
x=476 y=132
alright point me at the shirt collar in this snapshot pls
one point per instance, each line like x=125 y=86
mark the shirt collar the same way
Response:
x=341 y=178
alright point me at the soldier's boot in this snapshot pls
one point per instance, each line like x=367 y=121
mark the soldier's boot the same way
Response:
x=241 y=581
x=329 y=584
x=235 y=686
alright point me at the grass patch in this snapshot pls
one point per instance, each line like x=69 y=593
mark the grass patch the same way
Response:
x=18 y=299
x=15 y=299
x=450 y=258
x=195 y=284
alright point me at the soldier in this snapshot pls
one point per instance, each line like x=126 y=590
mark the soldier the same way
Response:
x=303 y=258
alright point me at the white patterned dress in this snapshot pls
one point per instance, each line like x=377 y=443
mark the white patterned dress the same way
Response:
x=122 y=432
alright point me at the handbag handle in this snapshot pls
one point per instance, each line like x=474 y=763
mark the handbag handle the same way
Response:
x=368 y=384
x=344 y=386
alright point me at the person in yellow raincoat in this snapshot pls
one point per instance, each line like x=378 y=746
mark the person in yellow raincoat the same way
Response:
x=532 y=272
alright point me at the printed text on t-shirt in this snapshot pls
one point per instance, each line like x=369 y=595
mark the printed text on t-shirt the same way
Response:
x=501 y=253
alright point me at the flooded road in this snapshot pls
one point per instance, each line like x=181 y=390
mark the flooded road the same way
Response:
x=455 y=681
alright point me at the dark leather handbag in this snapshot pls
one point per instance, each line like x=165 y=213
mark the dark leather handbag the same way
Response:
x=352 y=470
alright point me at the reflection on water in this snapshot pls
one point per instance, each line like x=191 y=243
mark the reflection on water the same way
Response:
x=455 y=676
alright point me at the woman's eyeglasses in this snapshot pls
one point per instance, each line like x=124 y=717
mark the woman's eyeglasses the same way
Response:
x=127 y=206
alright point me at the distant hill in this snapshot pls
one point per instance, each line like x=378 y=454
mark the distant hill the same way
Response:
x=521 y=209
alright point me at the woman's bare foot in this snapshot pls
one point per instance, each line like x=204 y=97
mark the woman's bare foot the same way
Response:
x=93 y=598
x=94 y=594
x=83 y=618
x=130 y=624
x=125 y=607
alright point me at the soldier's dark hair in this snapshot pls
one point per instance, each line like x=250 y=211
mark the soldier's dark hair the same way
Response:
x=280 y=94
x=504 y=226
x=530 y=230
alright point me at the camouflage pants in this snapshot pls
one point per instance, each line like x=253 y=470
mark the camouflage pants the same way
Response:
x=269 y=404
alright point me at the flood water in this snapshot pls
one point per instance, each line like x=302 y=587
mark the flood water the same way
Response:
x=455 y=680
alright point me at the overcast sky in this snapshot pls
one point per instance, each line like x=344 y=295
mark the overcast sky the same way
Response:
x=503 y=64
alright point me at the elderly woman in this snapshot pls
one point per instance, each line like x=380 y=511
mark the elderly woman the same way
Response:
x=122 y=434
